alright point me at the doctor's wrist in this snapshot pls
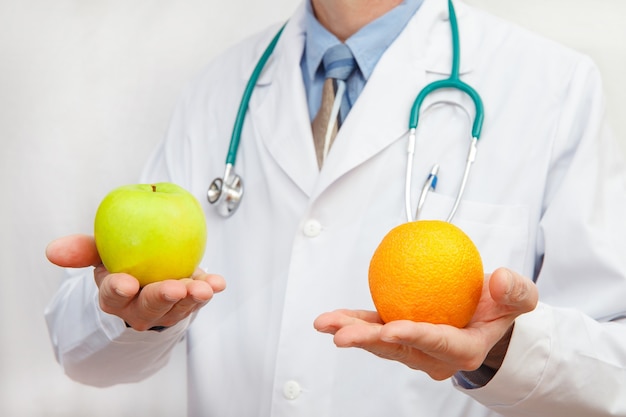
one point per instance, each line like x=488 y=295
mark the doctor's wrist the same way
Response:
x=496 y=355
x=481 y=376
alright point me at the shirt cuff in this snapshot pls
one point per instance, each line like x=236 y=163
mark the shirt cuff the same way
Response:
x=523 y=366
x=474 y=379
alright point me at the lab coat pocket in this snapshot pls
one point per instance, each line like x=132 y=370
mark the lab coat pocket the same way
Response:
x=500 y=232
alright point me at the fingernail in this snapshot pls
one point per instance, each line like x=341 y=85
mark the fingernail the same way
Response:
x=388 y=337
x=120 y=293
x=170 y=299
x=510 y=282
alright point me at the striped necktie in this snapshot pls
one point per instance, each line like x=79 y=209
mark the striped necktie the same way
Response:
x=338 y=63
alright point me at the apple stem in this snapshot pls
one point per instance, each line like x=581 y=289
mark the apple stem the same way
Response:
x=153 y=188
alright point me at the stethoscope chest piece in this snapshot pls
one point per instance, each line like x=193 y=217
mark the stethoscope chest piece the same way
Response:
x=226 y=193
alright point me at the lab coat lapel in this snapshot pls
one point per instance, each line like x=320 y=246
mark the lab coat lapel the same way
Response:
x=420 y=54
x=278 y=109
x=280 y=118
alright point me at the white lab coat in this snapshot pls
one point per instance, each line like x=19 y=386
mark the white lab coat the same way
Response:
x=546 y=196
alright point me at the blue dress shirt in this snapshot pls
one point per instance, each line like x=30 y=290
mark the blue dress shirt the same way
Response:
x=367 y=46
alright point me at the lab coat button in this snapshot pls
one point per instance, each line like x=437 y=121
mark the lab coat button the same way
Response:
x=312 y=228
x=291 y=390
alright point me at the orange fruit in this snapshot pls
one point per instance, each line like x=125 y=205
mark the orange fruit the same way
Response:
x=426 y=271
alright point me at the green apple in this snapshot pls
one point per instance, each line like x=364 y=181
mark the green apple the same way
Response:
x=150 y=231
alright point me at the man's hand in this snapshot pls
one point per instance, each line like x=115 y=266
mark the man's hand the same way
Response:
x=441 y=350
x=162 y=303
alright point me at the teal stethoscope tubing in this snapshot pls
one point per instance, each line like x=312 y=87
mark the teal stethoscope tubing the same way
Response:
x=226 y=192
x=245 y=99
x=452 y=82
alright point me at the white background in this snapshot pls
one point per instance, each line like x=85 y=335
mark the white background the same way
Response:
x=86 y=90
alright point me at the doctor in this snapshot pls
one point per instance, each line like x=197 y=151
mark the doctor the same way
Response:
x=544 y=203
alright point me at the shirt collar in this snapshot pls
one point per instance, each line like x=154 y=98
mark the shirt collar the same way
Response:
x=367 y=45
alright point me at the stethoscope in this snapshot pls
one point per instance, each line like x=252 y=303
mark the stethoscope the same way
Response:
x=226 y=192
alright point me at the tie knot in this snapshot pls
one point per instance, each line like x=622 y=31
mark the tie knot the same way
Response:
x=338 y=62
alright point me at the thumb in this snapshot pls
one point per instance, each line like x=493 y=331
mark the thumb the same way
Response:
x=513 y=290
x=75 y=251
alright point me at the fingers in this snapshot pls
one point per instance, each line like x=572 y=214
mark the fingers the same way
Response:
x=154 y=303
x=351 y=328
x=440 y=350
x=159 y=304
x=456 y=348
x=364 y=329
x=513 y=290
x=217 y=282
x=163 y=303
x=197 y=294
x=333 y=321
x=75 y=251
x=116 y=290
